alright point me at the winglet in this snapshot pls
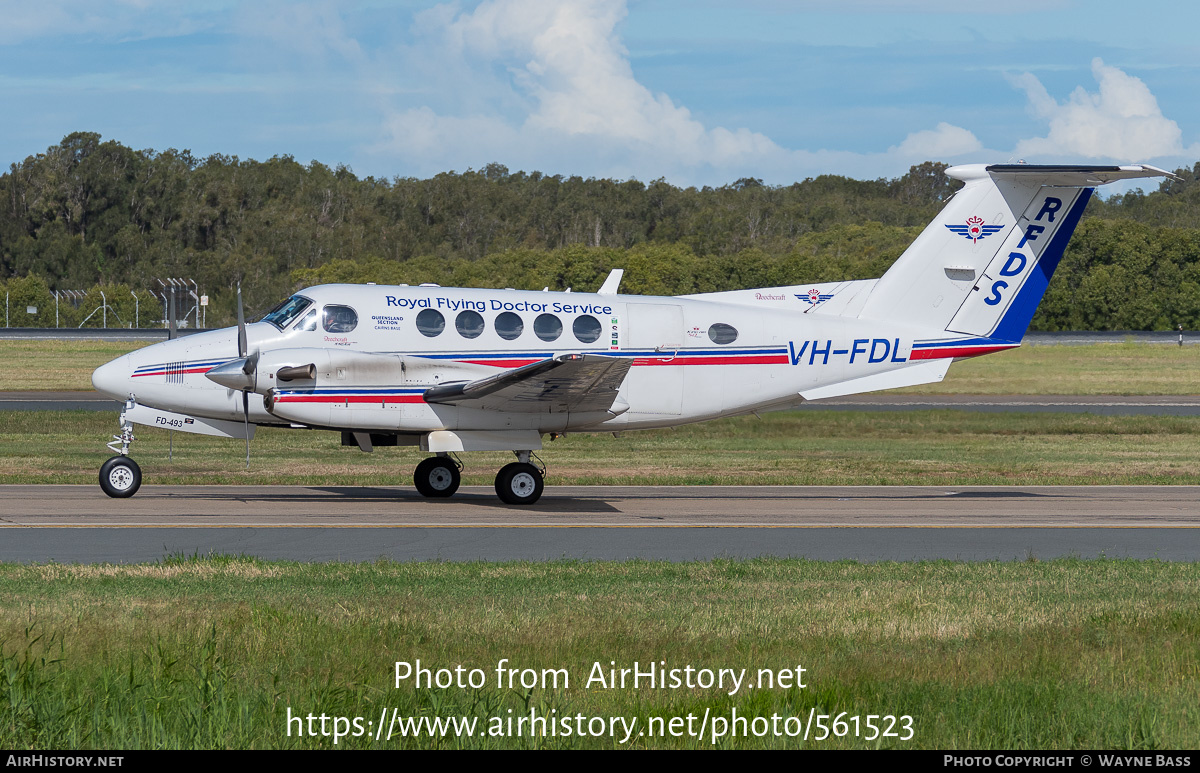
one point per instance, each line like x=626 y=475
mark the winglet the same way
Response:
x=612 y=283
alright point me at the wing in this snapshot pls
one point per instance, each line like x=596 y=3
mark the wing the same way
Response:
x=568 y=382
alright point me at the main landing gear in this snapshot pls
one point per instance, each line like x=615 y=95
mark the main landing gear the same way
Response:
x=518 y=483
x=437 y=476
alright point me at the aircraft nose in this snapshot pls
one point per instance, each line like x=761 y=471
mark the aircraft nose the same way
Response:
x=112 y=379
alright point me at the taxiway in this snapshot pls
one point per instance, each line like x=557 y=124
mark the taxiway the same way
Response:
x=80 y=524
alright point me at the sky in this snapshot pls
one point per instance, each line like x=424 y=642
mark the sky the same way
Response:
x=698 y=92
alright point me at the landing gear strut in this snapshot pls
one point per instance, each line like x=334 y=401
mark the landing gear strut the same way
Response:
x=437 y=476
x=120 y=476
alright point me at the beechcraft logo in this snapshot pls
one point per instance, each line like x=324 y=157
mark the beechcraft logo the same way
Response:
x=815 y=296
x=975 y=229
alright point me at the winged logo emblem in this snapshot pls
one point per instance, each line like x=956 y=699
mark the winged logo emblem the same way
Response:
x=975 y=229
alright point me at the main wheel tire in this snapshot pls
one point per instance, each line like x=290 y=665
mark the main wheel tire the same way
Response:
x=437 y=477
x=120 y=477
x=519 y=484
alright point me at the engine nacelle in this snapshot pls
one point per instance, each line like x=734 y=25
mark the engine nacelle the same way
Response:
x=335 y=388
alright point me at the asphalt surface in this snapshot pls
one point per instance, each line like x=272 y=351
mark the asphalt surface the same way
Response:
x=79 y=524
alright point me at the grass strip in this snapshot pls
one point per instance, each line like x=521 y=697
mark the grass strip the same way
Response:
x=211 y=652
x=936 y=447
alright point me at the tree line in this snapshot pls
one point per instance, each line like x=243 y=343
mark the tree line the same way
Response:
x=90 y=213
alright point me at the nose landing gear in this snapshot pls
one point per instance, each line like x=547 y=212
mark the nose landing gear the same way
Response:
x=120 y=476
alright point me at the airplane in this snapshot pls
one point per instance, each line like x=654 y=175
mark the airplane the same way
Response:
x=465 y=369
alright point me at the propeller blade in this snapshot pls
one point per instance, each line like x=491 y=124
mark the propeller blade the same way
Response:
x=246 y=419
x=243 y=346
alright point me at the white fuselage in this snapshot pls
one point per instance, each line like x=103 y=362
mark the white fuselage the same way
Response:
x=685 y=367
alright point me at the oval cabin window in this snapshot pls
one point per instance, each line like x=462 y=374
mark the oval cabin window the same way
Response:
x=430 y=322
x=720 y=333
x=586 y=328
x=509 y=326
x=469 y=324
x=547 y=327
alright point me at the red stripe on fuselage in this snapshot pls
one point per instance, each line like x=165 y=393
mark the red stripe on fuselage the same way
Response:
x=373 y=399
x=681 y=359
x=173 y=372
x=757 y=359
x=956 y=351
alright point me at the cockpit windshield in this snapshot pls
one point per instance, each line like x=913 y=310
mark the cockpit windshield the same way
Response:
x=282 y=315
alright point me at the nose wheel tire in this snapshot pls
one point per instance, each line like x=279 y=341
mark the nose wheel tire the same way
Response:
x=519 y=484
x=120 y=477
x=437 y=477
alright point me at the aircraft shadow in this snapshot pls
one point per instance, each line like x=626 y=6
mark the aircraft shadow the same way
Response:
x=1000 y=495
x=349 y=494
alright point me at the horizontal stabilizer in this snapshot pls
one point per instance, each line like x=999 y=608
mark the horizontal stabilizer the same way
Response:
x=930 y=372
x=569 y=382
x=1067 y=176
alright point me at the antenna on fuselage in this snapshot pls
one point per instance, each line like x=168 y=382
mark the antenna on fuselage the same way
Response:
x=613 y=282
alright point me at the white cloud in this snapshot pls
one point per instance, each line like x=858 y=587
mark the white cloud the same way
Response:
x=310 y=31
x=547 y=84
x=555 y=76
x=1121 y=121
x=944 y=141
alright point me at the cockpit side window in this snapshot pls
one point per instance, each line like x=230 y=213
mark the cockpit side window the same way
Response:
x=339 y=319
x=282 y=315
x=309 y=323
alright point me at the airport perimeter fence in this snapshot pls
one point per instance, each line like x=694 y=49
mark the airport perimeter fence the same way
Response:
x=29 y=303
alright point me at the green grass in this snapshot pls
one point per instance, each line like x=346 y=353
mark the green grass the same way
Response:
x=1095 y=369
x=1129 y=368
x=56 y=365
x=211 y=652
x=940 y=447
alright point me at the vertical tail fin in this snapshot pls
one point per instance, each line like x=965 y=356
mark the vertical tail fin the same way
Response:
x=981 y=267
